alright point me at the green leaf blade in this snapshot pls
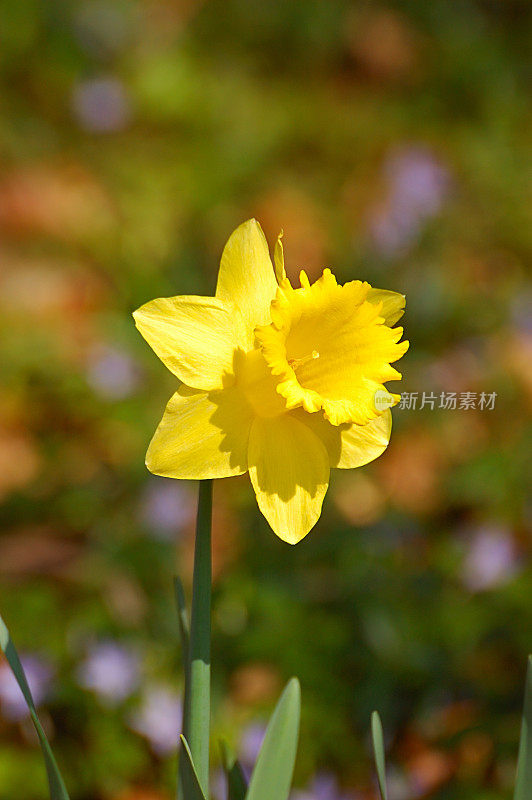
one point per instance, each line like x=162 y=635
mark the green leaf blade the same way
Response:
x=272 y=775
x=191 y=785
x=378 y=751
x=236 y=780
x=524 y=762
x=55 y=781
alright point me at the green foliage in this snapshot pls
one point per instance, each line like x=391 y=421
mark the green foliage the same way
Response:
x=55 y=781
x=524 y=764
x=191 y=785
x=236 y=781
x=378 y=750
x=272 y=774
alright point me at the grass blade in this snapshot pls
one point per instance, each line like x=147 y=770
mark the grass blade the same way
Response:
x=378 y=750
x=191 y=784
x=55 y=781
x=272 y=776
x=524 y=763
x=236 y=780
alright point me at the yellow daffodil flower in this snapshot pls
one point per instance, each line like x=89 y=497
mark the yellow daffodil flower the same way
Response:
x=284 y=383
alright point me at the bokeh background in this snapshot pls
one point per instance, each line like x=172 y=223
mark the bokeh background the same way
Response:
x=390 y=141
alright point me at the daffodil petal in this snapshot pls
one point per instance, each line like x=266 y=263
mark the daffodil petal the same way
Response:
x=350 y=445
x=393 y=304
x=201 y=435
x=246 y=278
x=193 y=336
x=289 y=470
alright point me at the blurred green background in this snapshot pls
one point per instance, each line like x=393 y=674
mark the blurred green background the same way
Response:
x=391 y=142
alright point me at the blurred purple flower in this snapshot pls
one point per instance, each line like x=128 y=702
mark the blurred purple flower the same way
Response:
x=101 y=105
x=110 y=670
x=417 y=185
x=417 y=180
x=112 y=373
x=323 y=787
x=250 y=744
x=491 y=559
x=401 y=786
x=520 y=311
x=166 y=507
x=219 y=784
x=159 y=719
x=39 y=674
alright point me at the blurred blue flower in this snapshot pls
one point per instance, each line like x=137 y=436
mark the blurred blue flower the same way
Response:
x=167 y=506
x=112 y=373
x=39 y=674
x=416 y=187
x=491 y=559
x=111 y=670
x=520 y=310
x=101 y=105
x=324 y=786
x=159 y=719
x=250 y=744
x=219 y=784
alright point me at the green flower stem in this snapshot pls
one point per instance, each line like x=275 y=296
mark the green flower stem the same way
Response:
x=197 y=704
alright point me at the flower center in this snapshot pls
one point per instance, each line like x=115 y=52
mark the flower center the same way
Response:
x=298 y=362
x=353 y=349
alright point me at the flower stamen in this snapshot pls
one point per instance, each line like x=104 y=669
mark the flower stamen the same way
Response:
x=298 y=362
